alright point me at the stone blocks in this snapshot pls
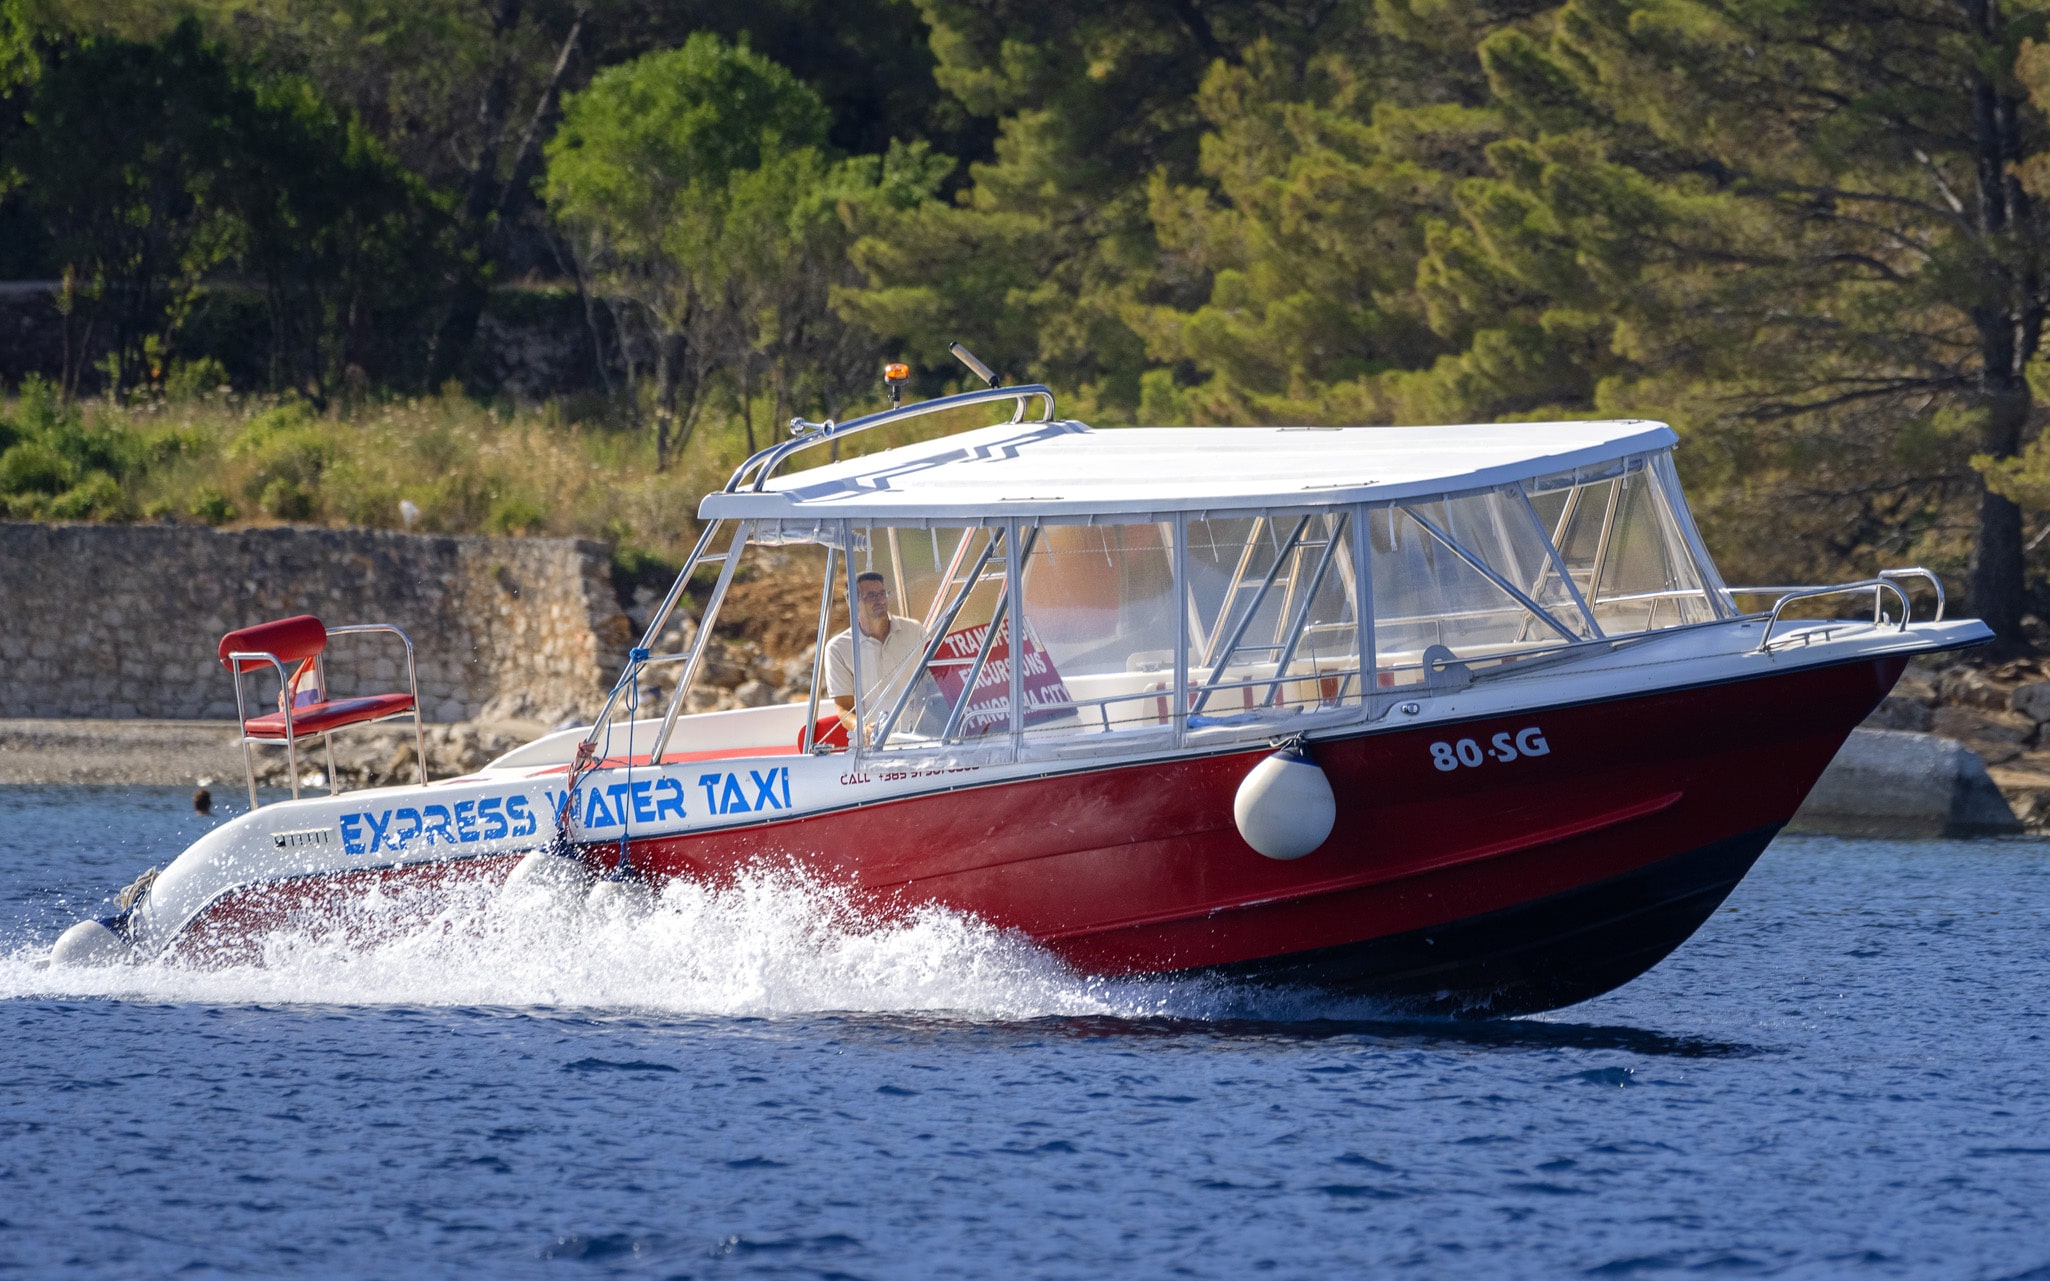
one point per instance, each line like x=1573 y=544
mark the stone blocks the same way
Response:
x=122 y=620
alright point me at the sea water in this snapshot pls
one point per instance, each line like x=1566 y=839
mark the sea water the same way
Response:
x=1845 y=1073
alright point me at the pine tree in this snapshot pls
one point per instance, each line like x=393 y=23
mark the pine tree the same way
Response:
x=1811 y=223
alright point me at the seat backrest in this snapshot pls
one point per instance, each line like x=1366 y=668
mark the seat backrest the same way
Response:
x=291 y=639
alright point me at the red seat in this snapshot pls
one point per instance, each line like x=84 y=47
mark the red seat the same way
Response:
x=320 y=718
x=831 y=732
x=293 y=648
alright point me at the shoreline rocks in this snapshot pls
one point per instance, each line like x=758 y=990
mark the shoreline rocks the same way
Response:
x=1903 y=783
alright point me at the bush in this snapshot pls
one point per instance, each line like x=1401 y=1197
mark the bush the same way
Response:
x=515 y=514
x=286 y=499
x=97 y=497
x=33 y=467
x=212 y=506
x=192 y=379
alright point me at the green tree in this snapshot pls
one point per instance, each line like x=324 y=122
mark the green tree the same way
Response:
x=1038 y=262
x=1803 y=225
x=1319 y=194
x=704 y=209
x=140 y=225
x=200 y=167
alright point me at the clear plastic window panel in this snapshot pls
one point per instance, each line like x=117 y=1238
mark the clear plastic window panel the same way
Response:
x=1273 y=622
x=1099 y=631
x=1625 y=549
x=948 y=584
x=1464 y=580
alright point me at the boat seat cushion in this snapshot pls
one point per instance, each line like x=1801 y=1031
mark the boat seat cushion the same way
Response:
x=320 y=718
x=830 y=731
x=291 y=639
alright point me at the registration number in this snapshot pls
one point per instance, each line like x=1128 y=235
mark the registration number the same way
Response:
x=1502 y=748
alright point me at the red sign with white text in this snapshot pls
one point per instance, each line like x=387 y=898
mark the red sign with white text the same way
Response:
x=989 y=705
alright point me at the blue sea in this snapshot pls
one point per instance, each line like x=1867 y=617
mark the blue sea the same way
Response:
x=1845 y=1074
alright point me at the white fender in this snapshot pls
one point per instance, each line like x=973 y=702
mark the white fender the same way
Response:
x=1285 y=807
x=544 y=868
x=89 y=943
x=619 y=894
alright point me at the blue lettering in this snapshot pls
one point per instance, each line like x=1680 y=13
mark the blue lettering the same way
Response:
x=618 y=794
x=434 y=818
x=644 y=801
x=352 y=833
x=466 y=822
x=710 y=782
x=495 y=825
x=671 y=801
x=733 y=800
x=523 y=822
x=401 y=835
x=785 y=772
x=765 y=790
x=595 y=813
x=377 y=832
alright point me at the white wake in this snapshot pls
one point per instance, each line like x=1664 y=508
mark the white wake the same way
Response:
x=769 y=945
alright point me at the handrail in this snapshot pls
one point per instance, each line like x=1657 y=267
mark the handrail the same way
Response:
x=1907 y=572
x=1916 y=571
x=1873 y=585
x=755 y=472
x=235 y=660
x=412 y=687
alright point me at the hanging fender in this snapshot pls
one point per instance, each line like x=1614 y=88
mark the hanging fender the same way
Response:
x=1285 y=807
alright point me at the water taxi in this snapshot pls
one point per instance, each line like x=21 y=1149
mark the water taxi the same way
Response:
x=1460 y=717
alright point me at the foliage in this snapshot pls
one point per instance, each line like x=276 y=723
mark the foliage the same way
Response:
x=1807 y=232
x=199 y=168
x=705 y=212
x=227 y=459
x=56 y=466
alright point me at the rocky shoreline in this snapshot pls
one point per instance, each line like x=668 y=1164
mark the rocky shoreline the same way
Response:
x=1999 y=711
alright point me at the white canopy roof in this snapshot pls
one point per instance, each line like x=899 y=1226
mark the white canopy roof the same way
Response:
x=1068 y=469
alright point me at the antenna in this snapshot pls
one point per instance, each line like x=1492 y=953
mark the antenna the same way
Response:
x=975 y=366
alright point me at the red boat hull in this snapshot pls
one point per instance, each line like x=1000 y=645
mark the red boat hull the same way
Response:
x=1508 y=886
x=1464 y=874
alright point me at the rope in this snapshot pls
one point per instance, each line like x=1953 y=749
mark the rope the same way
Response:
x=587 y=758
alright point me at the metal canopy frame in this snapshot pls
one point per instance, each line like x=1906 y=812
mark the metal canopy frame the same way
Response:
x=1011 y=538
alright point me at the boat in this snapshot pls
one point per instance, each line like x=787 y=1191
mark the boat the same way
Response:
x=1459 y=718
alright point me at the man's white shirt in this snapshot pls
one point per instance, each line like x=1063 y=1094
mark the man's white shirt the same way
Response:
x=887 y=665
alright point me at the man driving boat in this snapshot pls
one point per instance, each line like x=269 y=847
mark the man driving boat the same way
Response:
x=891 y=647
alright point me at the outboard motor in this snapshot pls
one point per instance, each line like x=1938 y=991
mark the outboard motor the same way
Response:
x=105 y=941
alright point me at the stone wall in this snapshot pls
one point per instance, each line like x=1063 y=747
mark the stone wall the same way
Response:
x=122 y=620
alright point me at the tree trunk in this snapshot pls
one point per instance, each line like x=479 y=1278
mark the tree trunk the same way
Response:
x=665 y=399
x=747 y=401
x=2009 y=324
x=466 y=304
x=1997 y=571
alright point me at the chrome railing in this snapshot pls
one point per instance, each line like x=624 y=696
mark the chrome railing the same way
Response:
x=1879 y=587
x=755 y=472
